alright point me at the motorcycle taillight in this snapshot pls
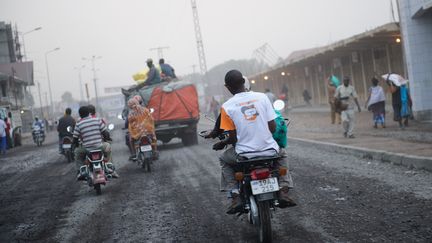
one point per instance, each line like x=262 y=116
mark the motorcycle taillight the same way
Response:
x=67 y=141
x=260 y=174
x=96 y=156
x=144 y=141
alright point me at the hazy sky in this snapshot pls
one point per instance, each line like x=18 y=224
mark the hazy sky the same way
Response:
x=123 y=31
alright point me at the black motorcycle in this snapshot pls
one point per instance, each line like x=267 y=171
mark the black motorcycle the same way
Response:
x=258 y=187
x=67 y=148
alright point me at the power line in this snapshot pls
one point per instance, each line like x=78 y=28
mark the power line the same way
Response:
x=159 y=50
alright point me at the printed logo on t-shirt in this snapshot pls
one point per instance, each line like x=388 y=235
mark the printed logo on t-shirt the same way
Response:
x=249 y=112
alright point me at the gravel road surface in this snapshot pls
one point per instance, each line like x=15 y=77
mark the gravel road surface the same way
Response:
x=341 y=199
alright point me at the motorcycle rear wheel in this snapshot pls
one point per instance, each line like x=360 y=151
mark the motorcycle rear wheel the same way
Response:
x=147 y=165
x=265 y=228
x=98 y=189
x=69 y=156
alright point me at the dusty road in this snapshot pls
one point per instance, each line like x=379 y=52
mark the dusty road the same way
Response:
x=341 y=199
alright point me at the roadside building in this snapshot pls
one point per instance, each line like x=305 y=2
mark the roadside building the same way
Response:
x=416 y=26
x=363 y=56
x=15 y=78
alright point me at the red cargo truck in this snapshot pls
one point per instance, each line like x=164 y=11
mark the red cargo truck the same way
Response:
x=176 y=109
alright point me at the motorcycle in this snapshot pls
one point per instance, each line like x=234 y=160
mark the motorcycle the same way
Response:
x=96 y=169
x=258 y=187
x=38 y=136
x=258 y=184
x=144 y=152
x=67 y=148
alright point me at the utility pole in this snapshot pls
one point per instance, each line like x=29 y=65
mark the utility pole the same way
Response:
x=40 y=98
x=87 y=92
x=92 y=59
x=51 y=110
x=198 y=36
x=80 y=81
x=46 y=98
x=159 y=50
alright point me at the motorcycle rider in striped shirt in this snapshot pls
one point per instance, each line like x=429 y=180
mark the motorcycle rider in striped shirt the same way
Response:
x=92 y=132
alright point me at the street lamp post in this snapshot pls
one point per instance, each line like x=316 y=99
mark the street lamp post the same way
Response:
x=92 y=59
x=80 y=81
x=22 y=37
x=27 y=89
x=48 y=78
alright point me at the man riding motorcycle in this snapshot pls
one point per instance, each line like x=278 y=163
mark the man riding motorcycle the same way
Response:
x=64 y=122
x=37 y=126
x=91 y=131
x=141 y=123
x=249 y=119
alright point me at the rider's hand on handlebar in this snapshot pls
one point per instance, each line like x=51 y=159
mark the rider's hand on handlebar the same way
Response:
x=212 y=134
x=219 y=145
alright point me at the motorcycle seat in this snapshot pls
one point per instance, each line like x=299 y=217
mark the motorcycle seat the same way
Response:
x=241 y=159
x=257 y=156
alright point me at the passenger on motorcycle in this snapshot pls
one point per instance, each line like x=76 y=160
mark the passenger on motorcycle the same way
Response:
x=37 y=126
x=64 y=122
x=92 y=110
x=91 y=131
x=249 y=119
x=141 y=123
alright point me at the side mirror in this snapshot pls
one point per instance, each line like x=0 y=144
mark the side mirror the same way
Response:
x=151 y=110
x=111 y=127
x=279 y=105
x=69 y=129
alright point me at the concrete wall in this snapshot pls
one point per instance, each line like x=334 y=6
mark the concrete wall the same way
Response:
x=417 y=42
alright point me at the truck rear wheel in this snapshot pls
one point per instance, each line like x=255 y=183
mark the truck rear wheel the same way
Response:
x=189 y=139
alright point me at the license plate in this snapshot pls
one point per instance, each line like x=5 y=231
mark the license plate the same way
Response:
x=66 y=146
x=146 y=148
x=264 y=186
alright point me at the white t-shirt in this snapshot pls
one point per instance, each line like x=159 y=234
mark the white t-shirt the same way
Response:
x=249 y=113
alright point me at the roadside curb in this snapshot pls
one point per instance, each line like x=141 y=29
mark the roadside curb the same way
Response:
x=410 y=161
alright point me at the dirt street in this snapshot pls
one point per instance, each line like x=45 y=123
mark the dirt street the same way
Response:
x=341 y=199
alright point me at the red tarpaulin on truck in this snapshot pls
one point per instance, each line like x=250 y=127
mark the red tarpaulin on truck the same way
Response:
x=178 y=104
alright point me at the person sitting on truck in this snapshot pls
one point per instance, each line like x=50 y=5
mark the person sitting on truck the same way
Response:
x=153 y=76
x=167 y=71
x=37 y=126
x=141 y=123
x=63 y=123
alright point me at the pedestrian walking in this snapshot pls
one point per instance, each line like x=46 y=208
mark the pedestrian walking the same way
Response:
x=346 y=94
x=8 y=136
x=214 y=107
x=332 y=83
x=401 y=99
x=270 y=95
x=2 y=137
x=284 y=93
x=307 y=97
x=376 y=103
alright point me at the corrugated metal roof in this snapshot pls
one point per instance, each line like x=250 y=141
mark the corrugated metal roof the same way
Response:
x=365 y=40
